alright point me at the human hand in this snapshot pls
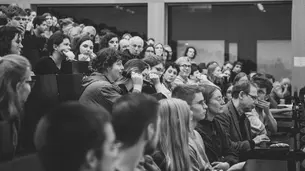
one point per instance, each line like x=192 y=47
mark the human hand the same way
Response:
x=137 y=80
x=261 y=138
x=220 y=166
x=263 y=105
x=154 y=78
x=149 y=164
x=69 y=55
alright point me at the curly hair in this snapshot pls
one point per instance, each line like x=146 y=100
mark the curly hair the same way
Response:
x=7 y=34
x=15 y=10
x=105 y=40
x=105 y=59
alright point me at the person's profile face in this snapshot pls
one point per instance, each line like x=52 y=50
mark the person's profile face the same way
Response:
x=249 y=100
x=116 y=70
x=64 y=46
x=16 y=45
x=198 y=107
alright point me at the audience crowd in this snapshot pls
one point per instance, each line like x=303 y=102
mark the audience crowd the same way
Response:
x=140 y=107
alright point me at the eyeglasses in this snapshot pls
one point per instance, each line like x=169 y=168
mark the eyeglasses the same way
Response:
x=254 y=98
x=185 y=66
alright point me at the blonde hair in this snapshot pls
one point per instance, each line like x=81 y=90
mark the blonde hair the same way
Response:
x=13 y=69
x=175 y=125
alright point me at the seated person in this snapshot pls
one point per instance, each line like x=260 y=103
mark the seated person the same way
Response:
x=194 y=98
x=217 y=146
x=136 y=122
x=59 y=50
x=261 y=119
x=175 y=115
x=107 y=84
x=184 y=64
x=234 y=121
x=152 y=83
x=76 y=137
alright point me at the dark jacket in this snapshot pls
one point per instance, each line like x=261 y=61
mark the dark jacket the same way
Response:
x=241 y=141
x=216 y=142
x=150 y=89
x=126 y=56
x=33 y=47
x=98 y=90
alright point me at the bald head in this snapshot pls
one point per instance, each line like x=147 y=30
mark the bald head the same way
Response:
x=89 y=30
x=124 y=44
x=136 y=45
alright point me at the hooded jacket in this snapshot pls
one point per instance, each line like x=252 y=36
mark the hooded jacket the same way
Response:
x=98 y=90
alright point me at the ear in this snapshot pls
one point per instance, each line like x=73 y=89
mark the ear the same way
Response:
x=18 y=86
x=91 y=160
x=241 y=94
x=55 y=47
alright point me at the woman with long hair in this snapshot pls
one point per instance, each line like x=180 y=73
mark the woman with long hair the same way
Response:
x=173 y=150
x=110 y=40
x=10 y=41
x=15 y=87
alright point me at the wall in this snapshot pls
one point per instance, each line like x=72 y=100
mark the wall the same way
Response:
x=243 y=24
x=109 y=15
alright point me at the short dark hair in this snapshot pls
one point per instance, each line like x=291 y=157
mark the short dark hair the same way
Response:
x=152 y=60
x=263 y=82
x=66 y=134
x=171 y=64
x=187 y=49
x=269 y=76
x=14 y=10
x=132 y=114
x=237 y=63
x=135 y=65
x=7 y=34
x=38 y=20
x=194 y=68
x=105 y=58
x=28 y=11
x=56 y=39
x=151 y=39
x=186 y=92
x=243 y=86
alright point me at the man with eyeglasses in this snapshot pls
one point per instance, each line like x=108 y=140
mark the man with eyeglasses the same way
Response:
x=234 y=120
